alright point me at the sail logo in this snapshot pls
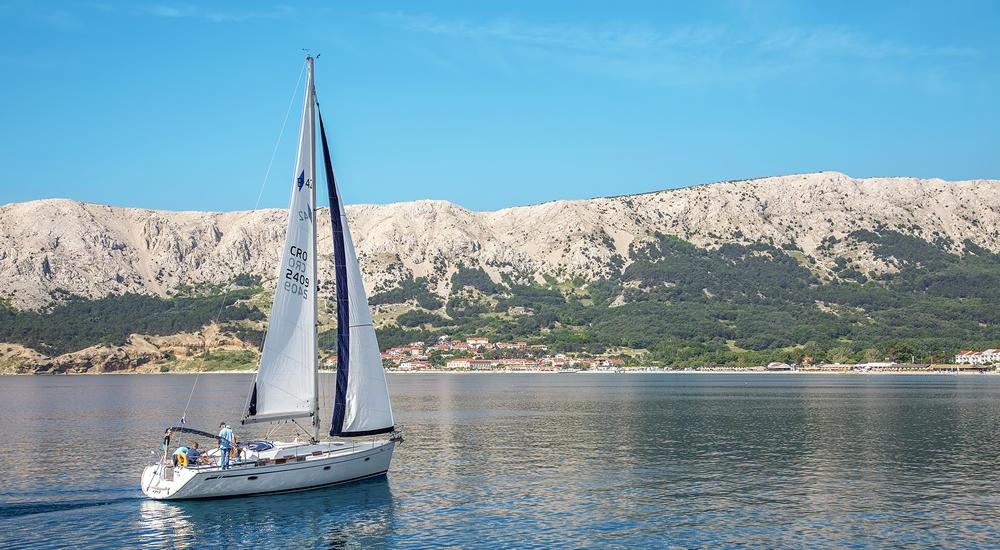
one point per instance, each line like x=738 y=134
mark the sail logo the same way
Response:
x=302 y=181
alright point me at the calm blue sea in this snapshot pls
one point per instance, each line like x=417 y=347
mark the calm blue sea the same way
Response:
x=567 y=460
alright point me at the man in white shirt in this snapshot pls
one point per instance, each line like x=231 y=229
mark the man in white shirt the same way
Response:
x=226 y=438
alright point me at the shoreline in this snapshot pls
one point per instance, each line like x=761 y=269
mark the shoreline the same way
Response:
x=587 y=372
x=695 y=372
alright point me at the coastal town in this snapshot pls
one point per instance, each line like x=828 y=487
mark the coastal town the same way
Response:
x=479 y=354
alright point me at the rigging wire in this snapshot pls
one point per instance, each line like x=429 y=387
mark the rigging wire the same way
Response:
x=277 y=142
x=256 y=206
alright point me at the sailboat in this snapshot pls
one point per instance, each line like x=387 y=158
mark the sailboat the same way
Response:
x=286 y=385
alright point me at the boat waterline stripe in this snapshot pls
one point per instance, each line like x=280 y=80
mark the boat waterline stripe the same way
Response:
x=340 y=270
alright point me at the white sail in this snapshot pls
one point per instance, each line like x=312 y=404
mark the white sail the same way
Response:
x=285 y=386
x=361 y=404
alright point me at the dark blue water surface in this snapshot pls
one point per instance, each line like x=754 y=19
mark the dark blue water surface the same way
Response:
x=577 y=460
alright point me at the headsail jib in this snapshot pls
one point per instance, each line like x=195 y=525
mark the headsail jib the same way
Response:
x=361 y=402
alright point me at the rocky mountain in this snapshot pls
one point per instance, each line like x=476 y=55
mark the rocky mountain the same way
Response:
x=92 y=250
x=812 y=267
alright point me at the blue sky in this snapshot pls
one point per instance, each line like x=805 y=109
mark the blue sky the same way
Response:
x=489 y=105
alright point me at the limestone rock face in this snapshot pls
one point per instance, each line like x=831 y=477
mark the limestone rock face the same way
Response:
x=95 y=250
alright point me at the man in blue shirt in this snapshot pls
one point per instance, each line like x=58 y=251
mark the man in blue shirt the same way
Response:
x=226 y=438
x=194 y=455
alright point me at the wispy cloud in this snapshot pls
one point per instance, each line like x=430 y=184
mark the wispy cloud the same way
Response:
x=61 y=19
x=194 y=11
x=842 y=41
x=694 y=54
x=40 y=15
x=572 y=36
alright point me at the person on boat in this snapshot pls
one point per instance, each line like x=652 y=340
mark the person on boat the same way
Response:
x=166 y=443
x=178 y=454
x=226 y=438
x=236 y=451
x=194 y=455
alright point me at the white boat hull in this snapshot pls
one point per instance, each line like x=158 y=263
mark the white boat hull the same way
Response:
x=287 y=467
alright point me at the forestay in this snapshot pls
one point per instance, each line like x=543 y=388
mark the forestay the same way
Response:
x=361 y=404
x=285 y=386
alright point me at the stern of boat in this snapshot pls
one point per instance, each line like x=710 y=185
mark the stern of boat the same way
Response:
x=162 y=481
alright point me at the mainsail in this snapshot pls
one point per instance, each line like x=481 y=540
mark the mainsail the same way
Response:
x=361 y=403
x=286 y=382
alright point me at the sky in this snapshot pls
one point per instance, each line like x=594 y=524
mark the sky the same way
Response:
x=488 y=104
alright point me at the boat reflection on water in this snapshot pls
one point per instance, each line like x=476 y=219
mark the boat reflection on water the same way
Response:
x=354 y=515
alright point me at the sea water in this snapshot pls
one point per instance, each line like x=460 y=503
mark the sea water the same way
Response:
x=560 y=460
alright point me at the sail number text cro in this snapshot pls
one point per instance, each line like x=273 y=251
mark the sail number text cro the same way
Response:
x=296 y=281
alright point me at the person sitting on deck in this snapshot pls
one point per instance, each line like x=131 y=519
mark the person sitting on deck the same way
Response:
x=194 y=455
x=178 y=461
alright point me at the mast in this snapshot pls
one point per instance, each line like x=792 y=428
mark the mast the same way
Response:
x=312 y=156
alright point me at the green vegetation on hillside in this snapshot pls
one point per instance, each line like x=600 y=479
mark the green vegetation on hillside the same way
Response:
x=76 y=323
x=744 y=305
x=409 y=289
x=417 y=318
x=738 y=305
x=473 y=277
